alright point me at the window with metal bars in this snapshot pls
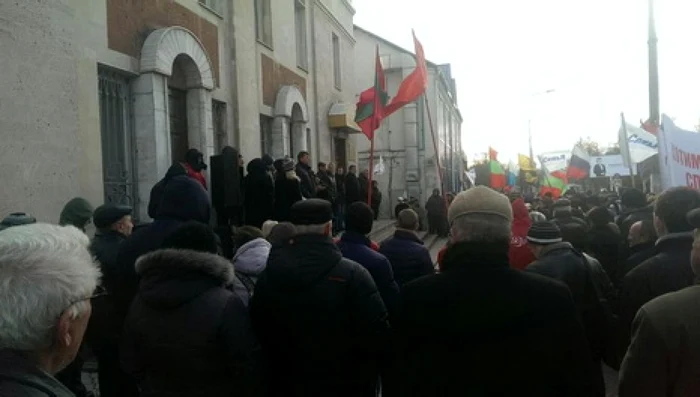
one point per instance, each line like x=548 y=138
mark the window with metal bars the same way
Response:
x=118 y=163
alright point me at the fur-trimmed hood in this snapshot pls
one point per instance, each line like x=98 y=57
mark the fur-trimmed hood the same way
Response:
x=171 y=277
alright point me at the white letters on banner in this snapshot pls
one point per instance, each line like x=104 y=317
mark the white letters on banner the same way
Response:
x=555 y=161
x=682 y=155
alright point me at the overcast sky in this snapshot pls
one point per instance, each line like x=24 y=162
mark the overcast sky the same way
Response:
x=592 y=53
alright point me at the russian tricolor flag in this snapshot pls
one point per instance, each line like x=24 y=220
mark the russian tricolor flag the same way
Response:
x=579 y=165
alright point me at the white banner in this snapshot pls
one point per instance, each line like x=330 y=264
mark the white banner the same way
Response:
x=681 y=158
x=555 y=161
x=639 y=143
x=608 y=166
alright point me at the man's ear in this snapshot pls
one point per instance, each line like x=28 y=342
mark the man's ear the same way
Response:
x=64 y=338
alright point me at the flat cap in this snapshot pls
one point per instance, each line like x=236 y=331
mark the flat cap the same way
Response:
x=106 y=215
x=480 y=200
x=544 y=233
x=311 y=212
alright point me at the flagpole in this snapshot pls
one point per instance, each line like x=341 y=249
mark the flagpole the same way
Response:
x=627 y=148
x=654 y=110
x=435 y=147
x=371 y=170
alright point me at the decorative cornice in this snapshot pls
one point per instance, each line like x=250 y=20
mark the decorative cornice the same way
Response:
x=334 y=20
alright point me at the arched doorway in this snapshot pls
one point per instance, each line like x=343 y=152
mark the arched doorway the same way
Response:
x=172 y=104
x=297 y=137
x=289 y=133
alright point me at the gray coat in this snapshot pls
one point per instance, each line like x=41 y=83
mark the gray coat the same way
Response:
x=663 y=358
x=20 y=377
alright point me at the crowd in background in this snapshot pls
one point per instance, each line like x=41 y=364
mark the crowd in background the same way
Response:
x=532 y=297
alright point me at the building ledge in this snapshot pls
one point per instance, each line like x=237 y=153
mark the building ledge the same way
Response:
x=342 y=116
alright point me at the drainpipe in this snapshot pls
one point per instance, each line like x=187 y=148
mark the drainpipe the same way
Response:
x=234 y=128
x=317 y=123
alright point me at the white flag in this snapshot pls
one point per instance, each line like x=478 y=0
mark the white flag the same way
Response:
x=379 y=167
x=636 y=144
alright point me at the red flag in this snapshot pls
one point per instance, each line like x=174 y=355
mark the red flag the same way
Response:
x=371 y=106
x=650 y=126
x=414 y=85
x=493 y=154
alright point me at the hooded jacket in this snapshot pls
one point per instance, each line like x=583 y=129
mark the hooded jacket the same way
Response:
x=321 y=322
x=157 y=190
x=183 y=200
x=77 y=212
x=249 y=261
x=519 y=254
x=408 y=256
x=186 y=335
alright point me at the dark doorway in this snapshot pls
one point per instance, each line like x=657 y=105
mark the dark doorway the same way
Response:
x=177 y=107
x=340 y=152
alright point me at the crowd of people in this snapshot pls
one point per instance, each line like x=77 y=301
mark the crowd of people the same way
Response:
x=531 y=296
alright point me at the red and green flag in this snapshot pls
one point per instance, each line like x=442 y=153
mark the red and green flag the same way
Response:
x=370 y=108
x=498 y=175
x=554 y=183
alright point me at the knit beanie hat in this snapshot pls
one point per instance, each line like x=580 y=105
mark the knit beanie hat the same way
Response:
x=288 y=164
x=544 y=233
x=480 y=200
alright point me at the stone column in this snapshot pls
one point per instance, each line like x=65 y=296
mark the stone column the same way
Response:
x=280 y=137
x=152 y=134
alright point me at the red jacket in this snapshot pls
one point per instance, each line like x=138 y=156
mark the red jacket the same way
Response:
x=519 y=254
x=198 y=176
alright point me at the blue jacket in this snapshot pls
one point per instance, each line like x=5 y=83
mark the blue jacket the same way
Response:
x=409 y=258
x=356 y=247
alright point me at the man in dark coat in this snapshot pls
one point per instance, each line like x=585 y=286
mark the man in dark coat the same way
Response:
x=363 y=180
x=408 y=256
x=642 y=242
x=186 y=334
x=355 y=246
x=319 y=317
x=562 y=216
x=114 y=225
x=560 y=260
x=259 y=200
x=340 y=202
x=352 y=187
x=634 y=209
x=287 y=190
x=157 y=190
x=306 y=175
x=667 y=271
x=663 y=358
x=497 y=331
x=436 y=213
x=327 y=185
x=184 y=199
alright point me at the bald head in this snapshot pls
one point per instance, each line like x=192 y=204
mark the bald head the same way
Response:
x=641 y=232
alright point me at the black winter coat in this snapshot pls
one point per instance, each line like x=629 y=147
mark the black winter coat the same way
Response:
x=604 y=244
x=102 y=331
x=184 y=199
x=408 y=256
x=330 y=192
x=562 y=262
x=352 y=189
x=259 y=200
x=287 y=192
x=667 y=271
x=186 y=335
x=307 y=179
x=340 y=187
x=638 y=254
x=480 y=328
x=320 y=320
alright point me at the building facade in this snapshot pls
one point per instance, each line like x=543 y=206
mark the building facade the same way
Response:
x=104 y=95
x=404 y=142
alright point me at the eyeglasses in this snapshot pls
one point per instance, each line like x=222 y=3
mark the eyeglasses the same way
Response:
x=99 y=292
